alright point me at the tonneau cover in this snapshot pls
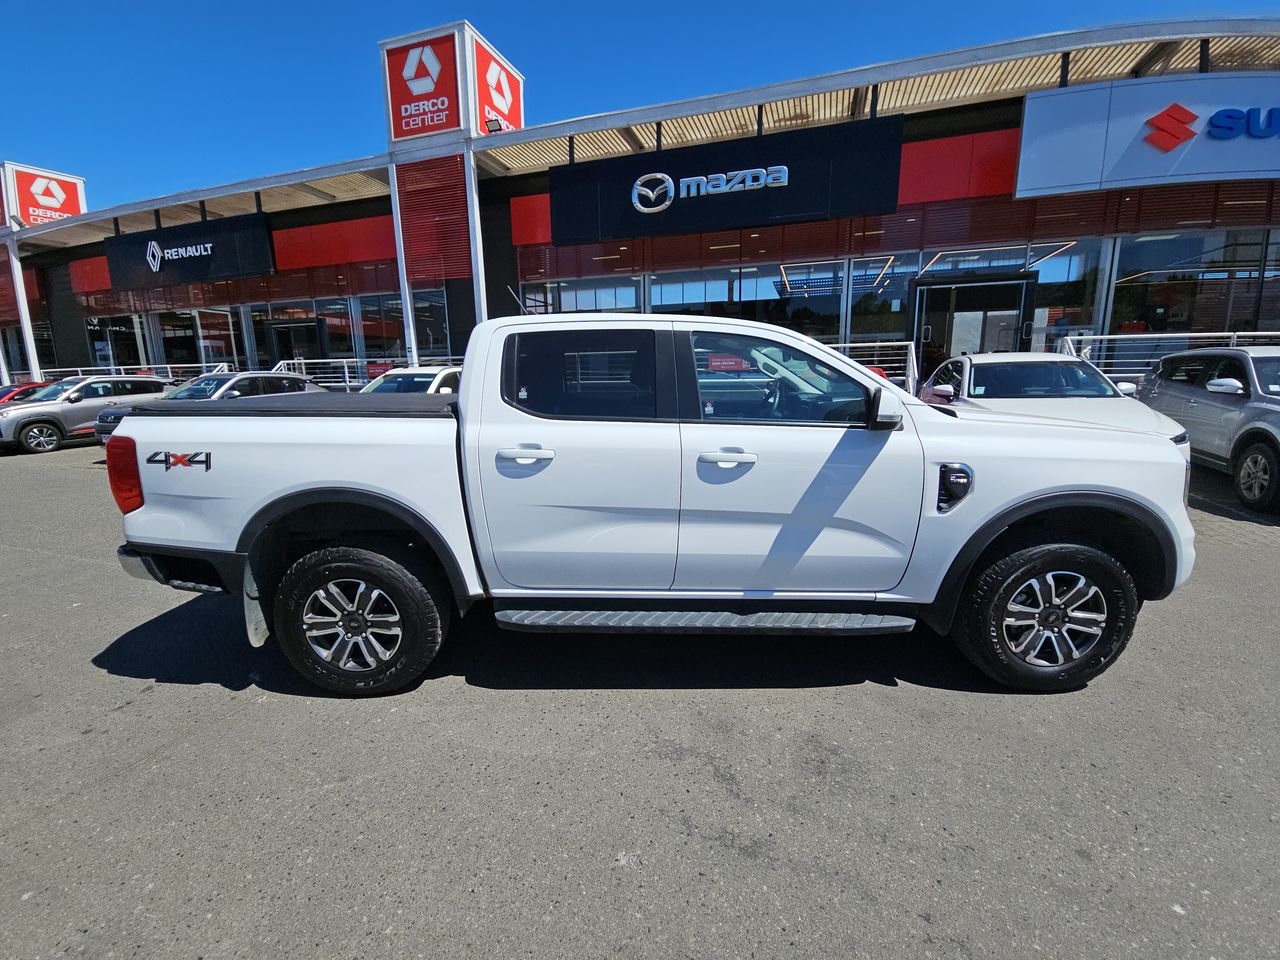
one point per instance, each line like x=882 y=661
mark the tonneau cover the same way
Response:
x=373 y=405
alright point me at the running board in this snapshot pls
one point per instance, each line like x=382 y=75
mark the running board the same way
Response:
x=700 y=621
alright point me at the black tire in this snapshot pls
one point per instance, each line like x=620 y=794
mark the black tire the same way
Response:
x=983 y=637
x=415 y=595
x=1257 y=477
x=40 y=438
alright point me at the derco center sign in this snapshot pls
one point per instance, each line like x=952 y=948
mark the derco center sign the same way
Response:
x=1177 y=129
x=422 y=87
x=37 y=196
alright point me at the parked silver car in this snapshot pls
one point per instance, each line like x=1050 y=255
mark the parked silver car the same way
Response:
x=69 y=409
x=210 y=386
x=1229 y=401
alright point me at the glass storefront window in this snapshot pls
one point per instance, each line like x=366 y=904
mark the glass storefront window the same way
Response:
x=382 y=323
x=178 y=336
x=1188 y=282
x=1066 y=275
x=879 y=296
x=431 y=323
x=615 y=294
x=1008 y=259
x=335 y=321
x=218 y=340
x=1269 y=300
x=117 y=341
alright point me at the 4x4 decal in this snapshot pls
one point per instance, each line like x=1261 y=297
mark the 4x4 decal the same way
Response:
x=163 y=458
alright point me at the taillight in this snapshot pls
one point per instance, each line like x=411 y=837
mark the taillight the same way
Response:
x=122 y=473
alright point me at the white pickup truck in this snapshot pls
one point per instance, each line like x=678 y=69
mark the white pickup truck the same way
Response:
x=621 y=474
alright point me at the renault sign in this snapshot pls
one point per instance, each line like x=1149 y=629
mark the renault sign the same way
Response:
x=1179 y=129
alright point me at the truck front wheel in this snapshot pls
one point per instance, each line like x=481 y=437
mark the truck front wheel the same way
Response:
x=359 y=621
x=1048 y=617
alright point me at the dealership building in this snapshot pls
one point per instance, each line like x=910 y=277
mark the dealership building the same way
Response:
x=1116 y=181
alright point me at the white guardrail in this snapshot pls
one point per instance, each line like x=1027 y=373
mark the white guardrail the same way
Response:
x=1128 y=356
x=897 y=358
x=167 y=371
x=352 y=373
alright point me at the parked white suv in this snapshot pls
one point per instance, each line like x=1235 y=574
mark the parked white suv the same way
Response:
x=68 y=410
x=624 y=473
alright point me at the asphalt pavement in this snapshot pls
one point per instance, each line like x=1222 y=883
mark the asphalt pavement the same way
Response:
x=168 y=791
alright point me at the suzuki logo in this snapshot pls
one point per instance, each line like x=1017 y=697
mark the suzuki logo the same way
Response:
x=1171 y=128
x=499 y=88
x=48 y=193
x=653 y=193
x=424 y=57
x=154 y=256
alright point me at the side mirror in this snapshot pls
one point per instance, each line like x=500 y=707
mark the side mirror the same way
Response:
x=231 y=395
x=884 y=411
x=445 y=390
x=1225 y=385
x=1127 y=388
x=943 y=391
x=74 y=398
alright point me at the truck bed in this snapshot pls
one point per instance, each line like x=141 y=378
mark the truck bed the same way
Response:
x=379 y=405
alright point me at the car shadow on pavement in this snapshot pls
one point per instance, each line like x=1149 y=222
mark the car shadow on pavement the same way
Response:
x=203 y=641
x=1214 y=493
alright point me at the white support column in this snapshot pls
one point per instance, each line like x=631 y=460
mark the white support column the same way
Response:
x=406 y=290
x=5 y=379
x=473 y=231
x=24 y=311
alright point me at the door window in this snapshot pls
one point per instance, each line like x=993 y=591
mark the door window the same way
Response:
x=1223 y=368
x=248 y=387
x=593 y=374
x=949 y=374
x=750 y=378
x=97 y=390
x=1186 y=370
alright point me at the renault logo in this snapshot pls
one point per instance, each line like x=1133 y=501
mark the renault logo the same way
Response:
x=653 y=193
x=154 y=256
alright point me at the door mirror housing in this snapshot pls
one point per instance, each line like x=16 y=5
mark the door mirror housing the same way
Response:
x=884 y=410
x=1127 y=388
x=74 y=397
x=231 y=395
x=1225 y=385
x=943 y=391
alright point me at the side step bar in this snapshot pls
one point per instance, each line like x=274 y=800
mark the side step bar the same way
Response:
x=699 y=621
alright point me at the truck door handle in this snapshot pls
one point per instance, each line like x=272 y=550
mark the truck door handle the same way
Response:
x=526 y=455
x=727 y=458
x=1192 y=403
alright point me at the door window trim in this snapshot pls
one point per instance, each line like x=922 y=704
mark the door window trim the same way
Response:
x=665 y=399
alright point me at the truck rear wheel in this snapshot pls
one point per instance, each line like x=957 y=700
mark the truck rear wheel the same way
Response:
x=358 y=621
x=1048 y=617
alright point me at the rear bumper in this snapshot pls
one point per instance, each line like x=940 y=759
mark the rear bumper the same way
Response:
x=199 y=571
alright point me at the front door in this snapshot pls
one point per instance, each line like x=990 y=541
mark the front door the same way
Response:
x=953 y=320
x=81 y=413
x=296 y=341
x=783 y=487
x=579 y=461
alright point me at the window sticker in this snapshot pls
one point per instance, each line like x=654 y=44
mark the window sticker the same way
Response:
x=522 y=393
x=708 y=409
x=979 y=391
x=1273 y=388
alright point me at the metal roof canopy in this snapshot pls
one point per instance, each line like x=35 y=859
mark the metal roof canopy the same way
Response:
x=976 y=74
x=973 y=75
x=316 y=186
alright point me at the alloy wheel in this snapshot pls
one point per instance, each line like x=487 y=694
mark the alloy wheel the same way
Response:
x=1054 y=618
x=42 y=438
x=1255 y=476
x=352 y=625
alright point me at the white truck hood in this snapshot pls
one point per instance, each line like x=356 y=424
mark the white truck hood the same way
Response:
x=1121 y=413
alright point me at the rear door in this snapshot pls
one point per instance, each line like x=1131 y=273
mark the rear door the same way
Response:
x=783 y=487
x=579 y=457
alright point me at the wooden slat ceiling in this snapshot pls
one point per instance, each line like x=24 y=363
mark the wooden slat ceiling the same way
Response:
x=995 y=81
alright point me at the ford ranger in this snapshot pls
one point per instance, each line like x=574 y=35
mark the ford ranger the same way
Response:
x=622 y=474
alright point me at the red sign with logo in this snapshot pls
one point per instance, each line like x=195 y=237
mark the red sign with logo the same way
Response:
x=422 y=87
x=376 y=370
x=43 y=197
x=499 y=92
x=727 y=363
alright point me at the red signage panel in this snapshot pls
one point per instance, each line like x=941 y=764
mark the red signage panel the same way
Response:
x=422 y=87
x=39 y=196
x=499 y=92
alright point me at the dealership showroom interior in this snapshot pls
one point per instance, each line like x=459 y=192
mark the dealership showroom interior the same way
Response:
x=688 y=529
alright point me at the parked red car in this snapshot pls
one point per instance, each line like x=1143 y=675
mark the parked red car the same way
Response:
x=16 y=392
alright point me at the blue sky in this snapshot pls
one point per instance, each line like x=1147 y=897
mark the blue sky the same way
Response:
x=145 y=98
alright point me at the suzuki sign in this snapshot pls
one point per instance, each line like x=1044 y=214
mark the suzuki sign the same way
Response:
x=1179 y=129
x=499 y=91
x=422 y=86
x=37 y=196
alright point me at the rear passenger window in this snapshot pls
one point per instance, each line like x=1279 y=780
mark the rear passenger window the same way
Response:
x=1182 y=371
x=599 y=374
x=133 y=388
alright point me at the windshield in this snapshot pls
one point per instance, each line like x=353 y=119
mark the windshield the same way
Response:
x=1268 y=370
x=1028 y=381
x=401 y=383
x=54 y=390
x=201 y=388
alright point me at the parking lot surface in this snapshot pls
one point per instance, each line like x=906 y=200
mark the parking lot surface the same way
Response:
x=166 y=790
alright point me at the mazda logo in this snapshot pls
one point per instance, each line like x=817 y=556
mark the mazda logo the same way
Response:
x=653 y=193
